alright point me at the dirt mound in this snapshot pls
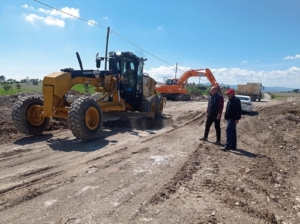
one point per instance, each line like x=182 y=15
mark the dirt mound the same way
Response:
x=7 y=101
x=8 y=132
x=199 y=97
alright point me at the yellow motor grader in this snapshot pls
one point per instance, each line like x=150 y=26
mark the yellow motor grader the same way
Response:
x=123 y=87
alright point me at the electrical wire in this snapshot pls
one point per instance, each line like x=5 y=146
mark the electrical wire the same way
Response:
x=96 y=24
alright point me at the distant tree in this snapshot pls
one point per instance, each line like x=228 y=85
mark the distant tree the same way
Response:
x=35 y=82
x=7 y=87
x=2 y=78
x=295 y=90
x=18 y=86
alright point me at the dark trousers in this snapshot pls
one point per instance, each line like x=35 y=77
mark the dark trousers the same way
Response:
x=209 y=121
x=231 y=134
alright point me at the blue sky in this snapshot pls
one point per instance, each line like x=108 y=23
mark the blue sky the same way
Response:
x=240 y=41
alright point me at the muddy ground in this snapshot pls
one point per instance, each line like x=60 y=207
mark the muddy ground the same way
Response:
x=155 y=172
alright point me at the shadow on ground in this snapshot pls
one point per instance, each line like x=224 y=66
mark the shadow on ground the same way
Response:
x=33 y=139
x=242 y=152
x=253 y=113
x=70 y=145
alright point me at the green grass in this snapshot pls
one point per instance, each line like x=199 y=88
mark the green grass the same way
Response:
x=80 y=88
x=287 y=94
x=277 y=95
x=25 y=87
x=28 y=87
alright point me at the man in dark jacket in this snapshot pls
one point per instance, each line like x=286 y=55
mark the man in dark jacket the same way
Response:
x=214 y=113
x=232 y=115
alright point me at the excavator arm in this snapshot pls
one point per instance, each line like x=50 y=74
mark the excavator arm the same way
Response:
x=197 y=73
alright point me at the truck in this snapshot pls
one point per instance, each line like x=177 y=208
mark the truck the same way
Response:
x=252 y=89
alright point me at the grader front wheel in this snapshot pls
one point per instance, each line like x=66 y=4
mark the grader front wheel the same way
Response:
x=85 y=118
x=149 y=105
x=159 y=106
x=27 y=117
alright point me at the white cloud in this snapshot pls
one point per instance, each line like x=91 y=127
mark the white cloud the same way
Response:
x=32 y=18
x=106 y=18
x=234 y=76
x=54 y=17
x=25 y=6
x=92 y=23
x=292 y=57
x=244 y=62
x=160 y=27
x=70 y=11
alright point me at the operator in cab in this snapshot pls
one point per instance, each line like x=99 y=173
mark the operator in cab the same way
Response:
x=128 y=75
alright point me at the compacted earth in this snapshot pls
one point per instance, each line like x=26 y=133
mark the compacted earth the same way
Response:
x=145 y=170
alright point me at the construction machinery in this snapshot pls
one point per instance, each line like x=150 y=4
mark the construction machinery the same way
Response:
x=174 y=89
x=118 y=91
x=253 y=89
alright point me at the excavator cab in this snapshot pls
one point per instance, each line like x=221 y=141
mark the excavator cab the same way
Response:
x=171 y=81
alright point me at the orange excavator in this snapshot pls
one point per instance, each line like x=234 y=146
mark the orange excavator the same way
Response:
x=174 y=89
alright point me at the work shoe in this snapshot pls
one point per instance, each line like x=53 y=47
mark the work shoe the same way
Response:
x=225 y=148
x=217 y=143
x=203 y=139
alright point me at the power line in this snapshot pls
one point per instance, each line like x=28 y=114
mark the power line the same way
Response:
x=42 y=3
x=96 y=24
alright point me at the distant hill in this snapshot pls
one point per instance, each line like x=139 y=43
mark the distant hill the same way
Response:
x=277 y=89
x=272 y=89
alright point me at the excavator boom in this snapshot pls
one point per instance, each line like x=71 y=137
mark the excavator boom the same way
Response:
x=197 y=73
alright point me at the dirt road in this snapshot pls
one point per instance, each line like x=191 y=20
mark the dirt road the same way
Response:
x=159 y=175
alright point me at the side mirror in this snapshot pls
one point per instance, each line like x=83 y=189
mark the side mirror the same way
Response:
x=98 y=62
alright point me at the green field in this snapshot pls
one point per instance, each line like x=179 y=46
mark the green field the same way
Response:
x=25 y=87
x=29 y=87
x=80 y=88
x=287 y=94
x=277 y=95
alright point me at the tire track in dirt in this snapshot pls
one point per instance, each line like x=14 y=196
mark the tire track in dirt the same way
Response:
x=252 y=190
x=183 y=174
x=58 y=174
x=199 y=118
x=135 y=201
x=26 y=190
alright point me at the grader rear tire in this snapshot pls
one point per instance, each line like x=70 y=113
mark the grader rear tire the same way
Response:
x=159 y=106
x=25 y=116
x=85 y=118
x=149 y=105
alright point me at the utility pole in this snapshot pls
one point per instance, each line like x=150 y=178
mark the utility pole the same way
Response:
x=107 y=38
x=176 y=70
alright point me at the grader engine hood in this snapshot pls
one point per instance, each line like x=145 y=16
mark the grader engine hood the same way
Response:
x=148 y=86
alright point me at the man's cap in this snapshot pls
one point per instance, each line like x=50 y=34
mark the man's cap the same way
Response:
x=230 y=91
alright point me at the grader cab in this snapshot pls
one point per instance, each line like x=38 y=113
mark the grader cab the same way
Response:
x=123 y=87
